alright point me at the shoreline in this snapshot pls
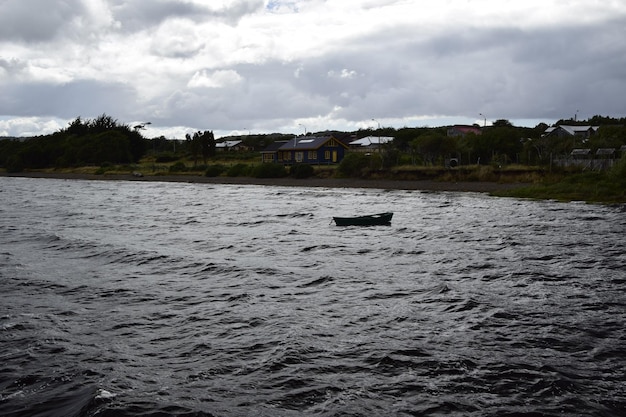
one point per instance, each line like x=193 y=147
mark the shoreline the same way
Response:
x=421 y=185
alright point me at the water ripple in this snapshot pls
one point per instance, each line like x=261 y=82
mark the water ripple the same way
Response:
x=146 y=299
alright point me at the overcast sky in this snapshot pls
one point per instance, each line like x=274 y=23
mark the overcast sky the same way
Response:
x=261 y=66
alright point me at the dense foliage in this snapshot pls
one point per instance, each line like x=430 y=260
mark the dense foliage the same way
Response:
x=269 y=171
x=214 y=170
x=354 y=165
x=301 y=171
x=590 y=186
x=103 y=141
x=83 y=142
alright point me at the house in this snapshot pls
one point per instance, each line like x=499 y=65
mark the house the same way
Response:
x=463 y=130
x=306 y=150
x=229 y=145
x=581 y=153
x=370 y=143
x=270 y=153
x=561 y=131
x=605 y=153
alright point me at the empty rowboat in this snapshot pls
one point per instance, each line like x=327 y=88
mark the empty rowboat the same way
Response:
x=367 y=220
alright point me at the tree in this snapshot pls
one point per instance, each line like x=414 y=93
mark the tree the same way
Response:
x=77 y=127
x=202 y=143
x=194 y=146
x=612 y=136
x=433 y=146
x=207 y=143
x=502 y=123
x=102 y=123
x=498 y=144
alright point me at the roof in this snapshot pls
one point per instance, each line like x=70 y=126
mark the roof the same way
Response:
x=307 y=143
x=465 y=129
x=227 y=144
x=274 y=146
x=572 y=130
x=580 y=151
x=372 y=141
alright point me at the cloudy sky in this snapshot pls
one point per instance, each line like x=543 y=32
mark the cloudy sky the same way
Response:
x=261 y=66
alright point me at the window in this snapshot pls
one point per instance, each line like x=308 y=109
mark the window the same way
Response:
x=299 y=156
x=327 y=155
x=312 y=156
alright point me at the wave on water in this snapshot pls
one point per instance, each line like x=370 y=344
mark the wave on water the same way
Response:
x=131 y=299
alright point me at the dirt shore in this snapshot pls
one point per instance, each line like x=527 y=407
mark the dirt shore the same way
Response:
x=424 y=185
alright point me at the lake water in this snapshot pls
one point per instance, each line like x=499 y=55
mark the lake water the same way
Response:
x=156 y=299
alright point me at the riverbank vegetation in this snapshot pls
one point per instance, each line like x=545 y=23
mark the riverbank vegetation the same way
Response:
x=594 y=187
x=499 y=153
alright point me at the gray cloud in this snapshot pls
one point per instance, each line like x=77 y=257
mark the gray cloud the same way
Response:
x=139 y=15
x=202 y=66
x=82 y=97
x=11 y=67
x=36 y=20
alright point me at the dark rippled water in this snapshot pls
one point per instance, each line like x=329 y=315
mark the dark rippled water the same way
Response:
x=157 y=299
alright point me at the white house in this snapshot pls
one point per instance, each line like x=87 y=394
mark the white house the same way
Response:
x=576 y=131
x=369 y=143
x=228 y=145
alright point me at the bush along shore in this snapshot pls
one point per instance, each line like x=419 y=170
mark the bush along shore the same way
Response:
x=541 y=162
x=592 y=187
x=512 y=181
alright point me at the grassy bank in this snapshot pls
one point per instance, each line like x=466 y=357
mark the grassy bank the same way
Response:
x=521 y=181
x=590 y=186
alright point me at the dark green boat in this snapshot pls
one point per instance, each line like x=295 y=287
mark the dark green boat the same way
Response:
x=368 y=220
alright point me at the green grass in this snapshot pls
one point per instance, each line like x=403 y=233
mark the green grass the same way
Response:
x=591 y=187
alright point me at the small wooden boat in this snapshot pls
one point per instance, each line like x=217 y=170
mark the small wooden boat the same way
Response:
x=368 y=220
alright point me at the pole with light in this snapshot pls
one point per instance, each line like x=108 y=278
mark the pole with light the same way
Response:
x=378 y=123
x=295 y=142
x=142 y=126
x=484 y=119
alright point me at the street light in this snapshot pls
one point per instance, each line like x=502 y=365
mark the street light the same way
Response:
x=141 y=125
x=485 y=119
x=295 y=142
x=379 y=144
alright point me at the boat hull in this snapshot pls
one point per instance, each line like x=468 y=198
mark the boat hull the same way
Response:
x=380 y=219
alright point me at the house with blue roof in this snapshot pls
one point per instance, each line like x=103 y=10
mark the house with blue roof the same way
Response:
x=312 y=150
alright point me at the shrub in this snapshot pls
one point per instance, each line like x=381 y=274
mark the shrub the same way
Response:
x=618 y=172
x=178 y=167
x=166 y=157
x=354 y=165
x=269 y=170
x=301 y=171
x=14 y=164
x=214 y=170
x=238 y=170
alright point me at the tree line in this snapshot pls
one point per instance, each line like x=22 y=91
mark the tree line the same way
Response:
x=82 y=142
x=104 y=140
x=99 y=141
x=500 y=143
